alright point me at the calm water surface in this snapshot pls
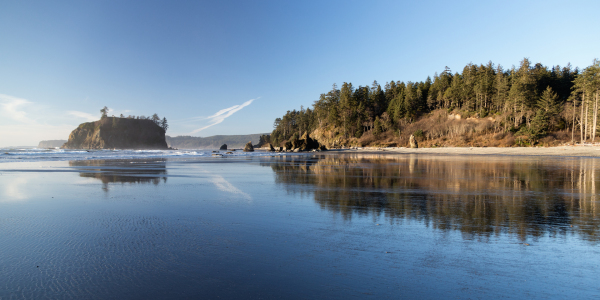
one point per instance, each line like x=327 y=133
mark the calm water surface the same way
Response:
x=301 y=227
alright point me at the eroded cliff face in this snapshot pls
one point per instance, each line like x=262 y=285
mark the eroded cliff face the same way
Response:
x=117 y=133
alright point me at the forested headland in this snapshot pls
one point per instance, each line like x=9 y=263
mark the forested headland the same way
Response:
x=484 y=105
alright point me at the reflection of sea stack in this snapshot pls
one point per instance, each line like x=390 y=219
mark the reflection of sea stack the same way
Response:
x=249 y=147
x=223 y=147
x=413 y=142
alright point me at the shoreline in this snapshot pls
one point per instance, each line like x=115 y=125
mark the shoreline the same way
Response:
x=566 y=151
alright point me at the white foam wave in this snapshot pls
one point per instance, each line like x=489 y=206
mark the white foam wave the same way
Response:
x=30 y=155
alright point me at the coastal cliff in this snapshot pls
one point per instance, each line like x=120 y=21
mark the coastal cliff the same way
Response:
x=117 y=133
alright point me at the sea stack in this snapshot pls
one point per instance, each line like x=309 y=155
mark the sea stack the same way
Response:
x=249 y=147
x=413 y=142
x=223 y=147
x=117 y=133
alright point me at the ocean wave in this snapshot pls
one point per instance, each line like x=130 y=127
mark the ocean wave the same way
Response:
x=32 y=155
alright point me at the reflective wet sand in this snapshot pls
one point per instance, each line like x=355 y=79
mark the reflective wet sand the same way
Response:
x=304 y=226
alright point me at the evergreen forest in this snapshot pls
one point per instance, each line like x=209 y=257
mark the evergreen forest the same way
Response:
x=484 y=105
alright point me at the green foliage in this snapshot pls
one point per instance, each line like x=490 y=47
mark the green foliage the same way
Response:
x=539 y=125
x=359 y=129
x=377 y=127
x=515 y=94
x=418 y=133
x=549 y=102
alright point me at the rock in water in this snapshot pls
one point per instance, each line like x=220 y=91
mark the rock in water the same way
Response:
x=117 y=133
x=223 y=147
x=249 y=147
x=413 y=142
x=271 y=147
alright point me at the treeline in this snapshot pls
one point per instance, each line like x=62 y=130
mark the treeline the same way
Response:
x=155 y=118
x=528 y=100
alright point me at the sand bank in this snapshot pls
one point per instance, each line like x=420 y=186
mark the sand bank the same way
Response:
x=584 y=151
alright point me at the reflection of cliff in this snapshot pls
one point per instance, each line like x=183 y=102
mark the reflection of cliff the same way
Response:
x=112 y=171
x=476 y=195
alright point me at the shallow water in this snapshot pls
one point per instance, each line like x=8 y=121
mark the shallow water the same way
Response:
x=301 y=226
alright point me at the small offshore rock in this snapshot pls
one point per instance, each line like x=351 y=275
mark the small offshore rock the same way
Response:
x=223 y=147
x=249 y=147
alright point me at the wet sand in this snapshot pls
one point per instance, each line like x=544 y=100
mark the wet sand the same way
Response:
x=322 y=226
x=579 y=151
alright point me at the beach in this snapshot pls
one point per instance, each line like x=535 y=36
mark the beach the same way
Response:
x=578 y=151
x=338 y=224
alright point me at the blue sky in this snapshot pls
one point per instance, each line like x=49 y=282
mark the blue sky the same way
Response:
x=232 y=67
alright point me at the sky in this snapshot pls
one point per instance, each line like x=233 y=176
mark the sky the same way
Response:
x=232 y=67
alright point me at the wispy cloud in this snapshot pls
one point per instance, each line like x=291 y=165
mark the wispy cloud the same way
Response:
x=83 y=115
x=11 y=107
x=223 y=114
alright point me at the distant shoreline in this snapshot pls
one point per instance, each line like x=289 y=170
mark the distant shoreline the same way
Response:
x=580 y=151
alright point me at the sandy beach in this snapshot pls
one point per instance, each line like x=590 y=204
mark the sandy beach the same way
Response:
x=580 y=151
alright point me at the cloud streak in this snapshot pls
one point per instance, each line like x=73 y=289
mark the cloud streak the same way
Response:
x=223 y=114
x=83 y=115
x=11 y=108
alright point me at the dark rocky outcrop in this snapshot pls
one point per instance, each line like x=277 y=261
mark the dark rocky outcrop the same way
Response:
x=263 y=141
x=51 y=144
x=223 y=147
x=117 y=133
x=304 y=143
x=249 y=147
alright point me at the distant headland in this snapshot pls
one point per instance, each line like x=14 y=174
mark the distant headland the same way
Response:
x=51 y=144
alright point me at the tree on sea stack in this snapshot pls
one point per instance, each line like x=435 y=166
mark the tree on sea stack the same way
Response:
x=156 y=119
x=104 y=112
x=163 y=124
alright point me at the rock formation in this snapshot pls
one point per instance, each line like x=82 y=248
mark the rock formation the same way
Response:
x=413 y=142
x=223 y=147
x=304 y=143
x=248 y=147
x=263 y=140
x=117 y=133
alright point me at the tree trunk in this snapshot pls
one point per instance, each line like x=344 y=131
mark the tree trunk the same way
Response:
x=595 y=118
x=573 y=126
x=585 y=135
x=581 y=123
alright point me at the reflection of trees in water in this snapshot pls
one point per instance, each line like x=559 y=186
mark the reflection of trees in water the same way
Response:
x=481 y=196
x=113 y=171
